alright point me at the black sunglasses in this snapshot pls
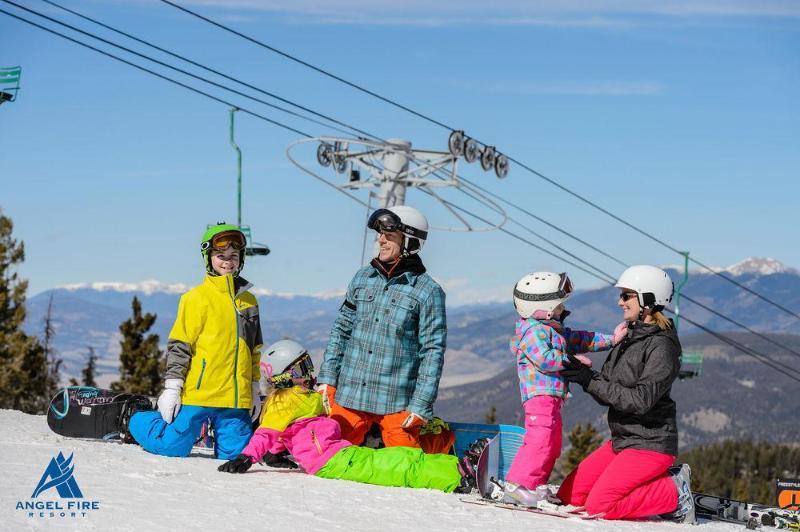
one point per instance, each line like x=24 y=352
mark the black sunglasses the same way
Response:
x=624 y=296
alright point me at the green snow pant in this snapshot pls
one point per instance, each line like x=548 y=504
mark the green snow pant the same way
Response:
x=394 y=466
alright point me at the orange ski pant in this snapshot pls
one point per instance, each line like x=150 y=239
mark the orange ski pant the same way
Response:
x=356 y=424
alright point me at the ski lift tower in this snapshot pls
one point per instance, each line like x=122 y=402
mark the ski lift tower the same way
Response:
x=9 y=83
x=252 y=248
x=691 y=362
x=388 y=168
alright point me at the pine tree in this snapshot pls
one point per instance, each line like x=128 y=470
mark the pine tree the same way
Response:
x=88 y=373
x=23 y=364
x=140 y=358
x=491 y=416
x=582 y=442
x=50 y=354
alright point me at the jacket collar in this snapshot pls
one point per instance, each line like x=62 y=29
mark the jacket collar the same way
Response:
x=409 y=267
x=228 y=284
x=639 y=330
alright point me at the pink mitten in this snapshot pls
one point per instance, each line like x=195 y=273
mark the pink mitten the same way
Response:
x=620 y=331
x=584 y=360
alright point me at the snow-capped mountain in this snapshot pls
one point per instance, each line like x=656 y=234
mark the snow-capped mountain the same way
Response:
x=760 y=266
x=754 y=265
x=478 y=369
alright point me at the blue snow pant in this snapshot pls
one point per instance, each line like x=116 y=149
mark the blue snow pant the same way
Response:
x=232 y=430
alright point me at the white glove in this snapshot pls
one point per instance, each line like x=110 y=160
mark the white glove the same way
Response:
x=255 y=410
x=326 y=403
x=169 y=402
x=413 y=420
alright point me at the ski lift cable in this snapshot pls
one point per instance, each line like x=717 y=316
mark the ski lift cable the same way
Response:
x=304 y=63
x=289 y=102
x=510 y=158
x=180 y=70
x=294 y=130
x=166 y=78
x=552 y=243
x=687 y=298
x=731 y=320
x=764 y=359
x=543 y=220
x=747 y=350
x=533 y=244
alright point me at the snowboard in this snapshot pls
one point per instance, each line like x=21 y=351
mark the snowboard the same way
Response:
x=86 y=412
x=749 y=514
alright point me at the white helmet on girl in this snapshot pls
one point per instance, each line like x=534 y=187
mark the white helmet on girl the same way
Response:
x=405 y=219
x=285 y=362
x=652 y=285
x=541 y=291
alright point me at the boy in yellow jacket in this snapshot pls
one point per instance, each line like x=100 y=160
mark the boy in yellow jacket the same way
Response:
x=212 y=359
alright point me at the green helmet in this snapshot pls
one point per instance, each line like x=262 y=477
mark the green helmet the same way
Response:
x=221 y=236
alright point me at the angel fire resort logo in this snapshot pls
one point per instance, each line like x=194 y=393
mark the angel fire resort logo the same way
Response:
x=59 y=475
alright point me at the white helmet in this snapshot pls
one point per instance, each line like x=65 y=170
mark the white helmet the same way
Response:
x=284 y=362
x=653 y=286
x=405 y=219
x=541 y=291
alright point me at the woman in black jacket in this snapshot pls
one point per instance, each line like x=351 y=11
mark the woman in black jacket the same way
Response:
x=631 y=476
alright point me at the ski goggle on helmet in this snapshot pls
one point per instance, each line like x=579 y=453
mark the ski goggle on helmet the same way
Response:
x=221 y=241
x=286 y=363
x=300 y=372
x=385 y=221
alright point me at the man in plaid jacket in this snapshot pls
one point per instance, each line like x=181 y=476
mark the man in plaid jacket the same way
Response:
x=386 y=349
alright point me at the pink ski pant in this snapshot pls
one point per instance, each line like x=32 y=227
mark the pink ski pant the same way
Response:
x=630 y=484
x=541 y=445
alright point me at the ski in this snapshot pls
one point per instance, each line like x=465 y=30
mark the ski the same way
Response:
x=749 y=514
x=562 y=514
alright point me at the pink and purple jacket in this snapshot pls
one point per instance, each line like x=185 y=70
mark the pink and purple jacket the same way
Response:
x=541 y=349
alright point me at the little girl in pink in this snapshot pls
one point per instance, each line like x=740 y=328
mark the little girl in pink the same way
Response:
x=541 y=344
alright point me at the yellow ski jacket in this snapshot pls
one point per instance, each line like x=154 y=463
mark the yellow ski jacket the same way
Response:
x=214 y=345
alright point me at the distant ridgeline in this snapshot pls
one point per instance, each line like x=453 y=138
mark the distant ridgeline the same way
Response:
x=735 y=397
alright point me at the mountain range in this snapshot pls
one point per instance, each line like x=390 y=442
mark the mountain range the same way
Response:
x=479 y=371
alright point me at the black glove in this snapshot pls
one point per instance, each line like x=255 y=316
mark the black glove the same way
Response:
x=575 y=371
x=279 y=460
x=240 y=464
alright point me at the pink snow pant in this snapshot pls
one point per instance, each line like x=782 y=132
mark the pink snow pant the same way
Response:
x=629 y=484
x=541 y=445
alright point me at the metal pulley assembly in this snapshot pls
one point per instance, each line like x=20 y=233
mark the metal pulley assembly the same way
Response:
x=471 y=150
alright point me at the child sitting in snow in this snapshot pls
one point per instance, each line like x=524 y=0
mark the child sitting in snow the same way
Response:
x=541 y=344
x=294 y=421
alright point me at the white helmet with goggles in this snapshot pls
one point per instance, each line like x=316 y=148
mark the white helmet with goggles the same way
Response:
x=404 y=219
x=286 y=363
x=652 y=285
x=541 y=291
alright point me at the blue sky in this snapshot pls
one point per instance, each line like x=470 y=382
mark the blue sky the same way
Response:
x=680 y=117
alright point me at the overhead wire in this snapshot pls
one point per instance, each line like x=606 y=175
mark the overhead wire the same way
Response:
x=294 y=130
x=177 y=69
x=772 y=363
x=175 y=82
x=518 y=162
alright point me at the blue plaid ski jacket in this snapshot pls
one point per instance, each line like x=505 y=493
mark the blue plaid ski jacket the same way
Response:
x=386 y=348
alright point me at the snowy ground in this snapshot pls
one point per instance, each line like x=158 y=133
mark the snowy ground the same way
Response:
x=139 y=491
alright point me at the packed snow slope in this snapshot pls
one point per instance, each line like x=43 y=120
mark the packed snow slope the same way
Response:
x=135 y=490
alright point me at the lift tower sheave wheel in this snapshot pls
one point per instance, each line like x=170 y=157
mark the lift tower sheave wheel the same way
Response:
x=387 y=169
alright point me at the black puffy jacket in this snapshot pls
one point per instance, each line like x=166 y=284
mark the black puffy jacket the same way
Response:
x=635 y=383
